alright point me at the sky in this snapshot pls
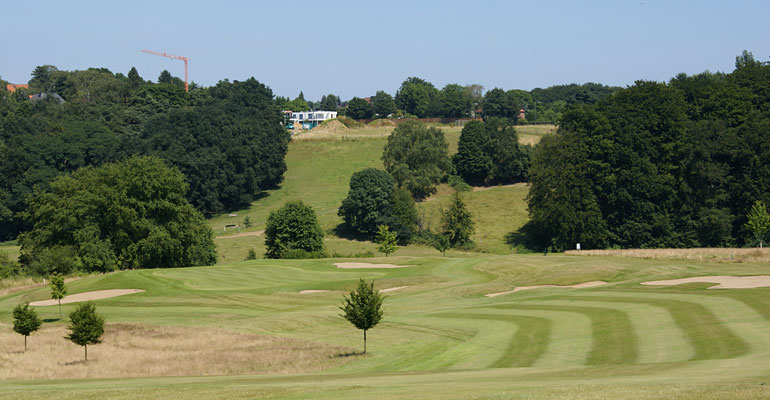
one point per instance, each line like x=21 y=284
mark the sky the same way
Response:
x=355 y=48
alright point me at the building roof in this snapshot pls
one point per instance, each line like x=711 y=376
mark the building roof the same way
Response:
x=11 y=87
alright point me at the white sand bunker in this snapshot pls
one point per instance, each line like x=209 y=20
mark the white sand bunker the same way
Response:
x=313 y=291
x=348 y=265
x=86 y=296
x=393 y=289
x=578 y=286
x=722 y=282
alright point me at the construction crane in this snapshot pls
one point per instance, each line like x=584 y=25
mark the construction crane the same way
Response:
x=185 y=59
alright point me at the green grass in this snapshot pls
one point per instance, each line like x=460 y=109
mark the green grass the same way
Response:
x=441 y=338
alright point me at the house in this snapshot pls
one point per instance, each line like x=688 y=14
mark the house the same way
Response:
x=309 y=119
x=11 y=87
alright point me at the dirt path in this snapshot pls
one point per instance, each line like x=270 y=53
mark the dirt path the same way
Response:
x=350 y=265
x=393 y=289
x=242 y=234
x=310 y=291
x=578 y=286
x=86 y=296
x=721 y=282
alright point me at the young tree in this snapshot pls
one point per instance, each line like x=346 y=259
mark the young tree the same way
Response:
x=25 y=321
x=247 y=222
x=441 y=243
x=457 y=222
x=86 y=326
x=759 y=221
x=417 y=157
x=293 y=227
x=364 y=307
x=387 y=240
x=58 y=289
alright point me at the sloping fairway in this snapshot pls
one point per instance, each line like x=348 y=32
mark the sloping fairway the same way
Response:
x=440 y=337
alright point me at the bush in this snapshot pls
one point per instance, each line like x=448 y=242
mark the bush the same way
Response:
x=293 y=227
x=458 y=184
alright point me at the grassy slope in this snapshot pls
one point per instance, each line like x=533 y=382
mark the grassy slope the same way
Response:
x=319 y=173
x=442 y=338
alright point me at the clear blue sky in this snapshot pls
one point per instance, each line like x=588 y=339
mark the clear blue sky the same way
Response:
x=354 y=48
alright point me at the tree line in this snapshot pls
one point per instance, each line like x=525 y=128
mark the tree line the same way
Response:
x=110 y=171
x=419 y=98
x=677 y=164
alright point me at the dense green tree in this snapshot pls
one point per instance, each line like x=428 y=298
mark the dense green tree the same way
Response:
x=363 y=308
x=368 y=203
x=489 y=153
x=359 y=109
x=416 y=157
x=130 y=214
x=134 y=80
x=415 y=96
x=165 y=77
x=472 y=162
x=383 y=104
x=441 y=243
x=25 y=321
x=86 y=326
x=58 y=289
x=403 y=215
x=455 y=102
x=329 y=103
x=498 y=103
x=293 y=227
x=457 y=222
x=387 y=240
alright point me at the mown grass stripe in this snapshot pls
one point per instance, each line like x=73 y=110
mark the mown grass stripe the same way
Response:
x=614 y=339
x=526 y=346
x=709 y=337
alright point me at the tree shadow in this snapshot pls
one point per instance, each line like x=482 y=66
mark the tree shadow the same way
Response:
x=49 y=320
x=78 y=362
x=349 y=354
x=343 y=231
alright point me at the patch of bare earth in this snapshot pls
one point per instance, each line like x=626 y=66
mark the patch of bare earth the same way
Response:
x=130 y=350
x=738 y=255
x=311 y=291
x=721 y=282
x=393 y=289
x=86 y=296
x=578 y=286
x=352 y=265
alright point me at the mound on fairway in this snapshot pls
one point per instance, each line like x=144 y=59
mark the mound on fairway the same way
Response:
x=578 y=286
x=723 y=282
x=86 y=296
x=354 y=265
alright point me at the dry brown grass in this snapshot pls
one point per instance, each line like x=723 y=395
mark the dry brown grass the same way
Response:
x=750 y=255
x=531 y=134
x=130 y=350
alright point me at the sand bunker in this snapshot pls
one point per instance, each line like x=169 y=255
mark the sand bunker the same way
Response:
x=393 y=289
x=86 y=296
x=313 y=291
x=578 y=286
x=722 y=282
x=367 y=265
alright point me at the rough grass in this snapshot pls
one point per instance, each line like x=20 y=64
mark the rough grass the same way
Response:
x=531 y=134
x=131 y=350
x=737 y=255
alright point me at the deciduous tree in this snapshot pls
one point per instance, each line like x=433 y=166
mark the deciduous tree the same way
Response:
x=363 y=308
x=25 y=321
x=86 y=326
x=417 y=158
x=58 y=289
x=758 y=221
x=293 y=227
x=387 y=240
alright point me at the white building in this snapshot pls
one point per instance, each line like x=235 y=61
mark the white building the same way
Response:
x=310 y=119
